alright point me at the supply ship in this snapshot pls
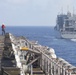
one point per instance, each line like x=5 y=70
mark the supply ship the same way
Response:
x=66 y=25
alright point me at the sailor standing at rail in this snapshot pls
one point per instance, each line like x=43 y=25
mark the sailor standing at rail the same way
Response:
x=3 y=29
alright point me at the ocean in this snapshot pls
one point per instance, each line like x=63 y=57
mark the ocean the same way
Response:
x=47 y=36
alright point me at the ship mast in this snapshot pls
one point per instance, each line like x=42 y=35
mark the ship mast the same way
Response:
x=62 y=10
x=73 y=11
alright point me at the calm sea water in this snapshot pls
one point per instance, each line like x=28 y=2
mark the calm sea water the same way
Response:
x=47 y=36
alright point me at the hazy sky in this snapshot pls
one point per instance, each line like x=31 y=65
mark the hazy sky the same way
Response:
x=33 y=12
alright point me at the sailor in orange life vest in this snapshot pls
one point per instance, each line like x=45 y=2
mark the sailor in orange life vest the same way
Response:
x=3 y=29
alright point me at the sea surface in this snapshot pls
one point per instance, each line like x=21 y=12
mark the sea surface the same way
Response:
x=47 y=36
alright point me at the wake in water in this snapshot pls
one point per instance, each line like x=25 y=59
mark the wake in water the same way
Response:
x=73 y=40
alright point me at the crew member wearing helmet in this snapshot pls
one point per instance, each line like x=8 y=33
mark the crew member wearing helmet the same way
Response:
x=3 y=29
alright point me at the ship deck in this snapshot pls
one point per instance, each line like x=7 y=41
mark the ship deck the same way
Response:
x=20 y=56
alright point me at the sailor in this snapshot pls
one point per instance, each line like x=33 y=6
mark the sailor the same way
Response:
x=3 y=29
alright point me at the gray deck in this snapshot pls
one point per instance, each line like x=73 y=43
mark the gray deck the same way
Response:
x=37 y=58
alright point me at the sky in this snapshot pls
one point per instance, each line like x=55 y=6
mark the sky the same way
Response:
x=33 y=12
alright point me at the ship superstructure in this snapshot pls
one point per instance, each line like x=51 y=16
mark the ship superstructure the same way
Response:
x=66 y=24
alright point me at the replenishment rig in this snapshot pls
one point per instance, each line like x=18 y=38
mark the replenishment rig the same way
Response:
x=19 y=56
